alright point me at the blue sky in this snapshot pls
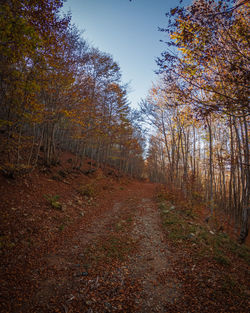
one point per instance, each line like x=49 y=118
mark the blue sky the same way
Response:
x=128 y=30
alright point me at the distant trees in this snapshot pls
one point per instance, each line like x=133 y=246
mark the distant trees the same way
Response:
x=59 y=93
x=201 y=106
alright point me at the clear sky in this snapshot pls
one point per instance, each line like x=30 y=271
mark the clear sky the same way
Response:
x=128 y=30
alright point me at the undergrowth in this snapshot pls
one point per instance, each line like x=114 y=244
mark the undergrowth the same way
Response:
x=88 y=190
x=53 y=200
x=182 y=227
x=205 y=252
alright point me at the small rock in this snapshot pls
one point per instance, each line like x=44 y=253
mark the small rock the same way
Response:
x=108 y=305
x=81 y=274
x=88 y=302
x=85 y=273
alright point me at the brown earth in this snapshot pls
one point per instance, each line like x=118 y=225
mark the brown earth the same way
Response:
x=103 y=250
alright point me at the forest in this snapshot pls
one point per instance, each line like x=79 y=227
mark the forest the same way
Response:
x=59 y=93
x=108 y=208
x=200 y=108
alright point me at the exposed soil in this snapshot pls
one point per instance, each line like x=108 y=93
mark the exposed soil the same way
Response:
x=151 y=261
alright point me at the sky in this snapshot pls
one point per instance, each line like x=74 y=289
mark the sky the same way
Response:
x=128 y=30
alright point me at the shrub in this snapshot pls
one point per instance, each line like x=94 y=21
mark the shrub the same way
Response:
x=53 y=201
x=88 y=190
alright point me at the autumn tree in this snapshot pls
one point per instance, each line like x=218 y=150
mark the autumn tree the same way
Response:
x=59 y=93
x=205 y=69
x=30 y=33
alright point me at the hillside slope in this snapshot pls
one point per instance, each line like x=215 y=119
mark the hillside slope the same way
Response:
x=96 y=241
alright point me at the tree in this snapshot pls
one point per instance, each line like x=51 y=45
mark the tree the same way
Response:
x=59 y=93
x=205 y=68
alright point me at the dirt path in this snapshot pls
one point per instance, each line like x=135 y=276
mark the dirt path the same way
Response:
x=151 y=261
x=117 y=263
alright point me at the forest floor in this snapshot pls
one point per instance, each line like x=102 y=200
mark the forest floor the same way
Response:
x=96 y=242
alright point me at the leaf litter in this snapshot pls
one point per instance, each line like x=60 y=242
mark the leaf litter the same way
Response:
x=119 y=256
